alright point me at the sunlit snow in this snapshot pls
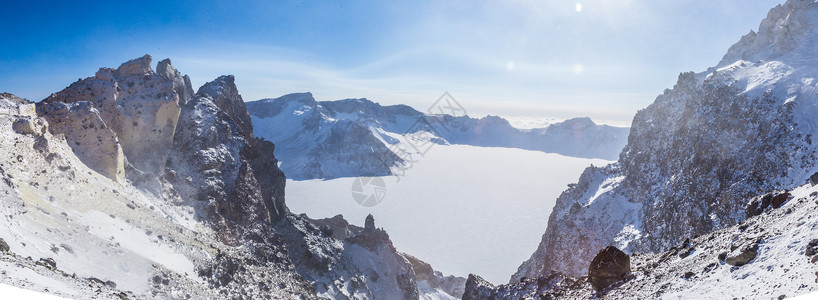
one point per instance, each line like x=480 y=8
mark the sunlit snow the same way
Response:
x=463 y=209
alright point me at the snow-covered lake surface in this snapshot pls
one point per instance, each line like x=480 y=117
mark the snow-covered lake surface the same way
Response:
x=463 y=209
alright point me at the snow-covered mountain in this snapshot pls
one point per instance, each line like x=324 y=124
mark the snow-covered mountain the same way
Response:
x=358 y=137
x=129 y=185
x=697 y=155
x=769 y=256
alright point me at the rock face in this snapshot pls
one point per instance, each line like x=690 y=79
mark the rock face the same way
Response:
x=213 y=161
x=214 y=225
x=429 y=279
x=478 y=288
x=365 y=264
x=764 y=250
x=608 y=267
x=139 y=105
x=699 y=151
x=358 y=137
x=90 y=138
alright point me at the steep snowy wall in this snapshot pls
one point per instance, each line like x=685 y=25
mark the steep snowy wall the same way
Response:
x=699 y=151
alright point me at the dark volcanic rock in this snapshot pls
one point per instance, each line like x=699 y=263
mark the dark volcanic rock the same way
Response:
x=478 y=288
x=743 y=256
x=214 y=161
x=608 y=267
x=779 y=200
x=4 y=247
x=812 y=248
x=758 y=205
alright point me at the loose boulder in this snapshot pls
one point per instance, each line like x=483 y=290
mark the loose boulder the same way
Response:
x=4 y=247
x=610 y=265
x=743 y=256
x=813 y=180
x=812 y=248
x=780 y=199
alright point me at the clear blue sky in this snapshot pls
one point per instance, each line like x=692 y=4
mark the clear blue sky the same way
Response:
x=518 y=58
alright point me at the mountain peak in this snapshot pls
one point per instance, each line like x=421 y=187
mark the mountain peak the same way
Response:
x=305 y=97
x=141 y=65
x=225 y=83
x=785 y=30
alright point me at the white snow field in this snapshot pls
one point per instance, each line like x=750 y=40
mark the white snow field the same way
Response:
x=463 y=209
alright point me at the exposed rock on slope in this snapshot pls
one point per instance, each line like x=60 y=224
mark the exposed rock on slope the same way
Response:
x=92 y=141
x=357 y=137
x=209 y=222
x=770 y=248
x=209 y=166
x=139 y=105
x=699 y=151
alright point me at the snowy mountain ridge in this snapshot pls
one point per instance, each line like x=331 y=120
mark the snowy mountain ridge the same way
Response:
x=698 y=153
x=127 y=184
x=358 y=137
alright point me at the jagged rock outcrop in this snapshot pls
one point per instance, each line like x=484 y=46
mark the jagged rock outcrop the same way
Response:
x=365 y=264
x=699 y=151
x=214 y=223
x=139 y=105
x=429 y=279
x=214 y=159
x=90 y=138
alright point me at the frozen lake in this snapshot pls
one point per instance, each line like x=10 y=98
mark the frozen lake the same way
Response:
x=463 y=209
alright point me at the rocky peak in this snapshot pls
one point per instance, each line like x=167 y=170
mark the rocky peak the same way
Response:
x=231 y=178
x=136 y=66
x=226 y=96
x=139 y=105
x=369 y=223
x=181 y=84
x=784 y=29
x=305 y=98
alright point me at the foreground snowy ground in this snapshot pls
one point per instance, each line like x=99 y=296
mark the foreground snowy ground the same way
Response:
x=463 y=209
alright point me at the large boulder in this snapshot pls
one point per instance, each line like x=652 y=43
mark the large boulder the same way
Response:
x=609 y=266
x=742 y=255
x=89 y=137
x=139 y=105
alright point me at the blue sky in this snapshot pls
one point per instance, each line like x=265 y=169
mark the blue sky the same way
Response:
x=516 y=58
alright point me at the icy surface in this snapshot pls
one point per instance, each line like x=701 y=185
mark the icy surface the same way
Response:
x=461 y=208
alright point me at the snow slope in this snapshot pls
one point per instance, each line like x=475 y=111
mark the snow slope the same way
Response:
x=461 y=208
x=700 y=267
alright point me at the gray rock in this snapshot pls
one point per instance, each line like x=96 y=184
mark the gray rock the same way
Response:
x=743 y=255
x=609 y=266
x=478 y=288
x=139 y=105
x=29 y=125
x=4 y=247
x=94 y=143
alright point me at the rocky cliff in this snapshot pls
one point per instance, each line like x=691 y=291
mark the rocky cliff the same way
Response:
x=697 y=153
x=141 y=188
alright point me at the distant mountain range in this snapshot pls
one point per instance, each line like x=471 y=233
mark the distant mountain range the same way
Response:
x=359 y=137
